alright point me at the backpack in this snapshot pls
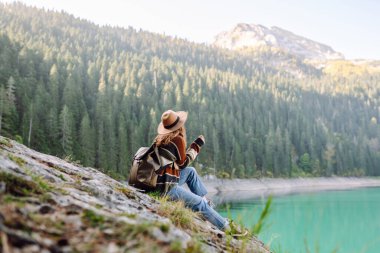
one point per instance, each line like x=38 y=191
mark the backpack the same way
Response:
x=146 y=164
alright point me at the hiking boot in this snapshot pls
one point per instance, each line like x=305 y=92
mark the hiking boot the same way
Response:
x=236 y=230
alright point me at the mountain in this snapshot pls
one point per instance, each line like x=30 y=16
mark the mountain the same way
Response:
x=95 y=94
x=258 y=36
x=51 y=205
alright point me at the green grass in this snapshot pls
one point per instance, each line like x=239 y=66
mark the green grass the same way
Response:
x=155 y=194
x=260 y=224
x=98 y=206
x=238 y=226
x=127 y=192
x=175 y=247
x=8 y=199
x=5 y=142
x=90 y=217
x=132 y=231
x=62 y=177
x=129 y=215
x=42 y=183
x=164 y=227
x=194 y=246
x=176 y=211
x=18 y=186
x=20 y=162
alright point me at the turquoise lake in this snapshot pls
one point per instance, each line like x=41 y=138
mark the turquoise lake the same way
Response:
x=324 y=222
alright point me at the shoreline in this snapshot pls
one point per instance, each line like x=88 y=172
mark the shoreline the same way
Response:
x=226 y=190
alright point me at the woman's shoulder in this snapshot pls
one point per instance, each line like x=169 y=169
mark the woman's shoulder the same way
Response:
x=178 y=138
x=179 y=141
x=173 y=146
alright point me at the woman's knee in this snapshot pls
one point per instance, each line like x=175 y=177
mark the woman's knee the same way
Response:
x=201 y=206
x=192 y=170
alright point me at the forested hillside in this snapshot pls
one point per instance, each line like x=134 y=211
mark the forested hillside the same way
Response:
x=95 y=94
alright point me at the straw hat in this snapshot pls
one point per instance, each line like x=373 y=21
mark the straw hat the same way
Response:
x=171 y=121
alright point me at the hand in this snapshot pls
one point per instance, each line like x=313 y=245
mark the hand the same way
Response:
x=200 y=141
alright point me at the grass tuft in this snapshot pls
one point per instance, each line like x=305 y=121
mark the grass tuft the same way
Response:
x=42 y=183
x=8 y=199
x=129 y=215
x=133 y=231
x=175 y=247
x=5 y=142
x=177 y=212
x=18 y=186
x=194 y=246
x=164 y=227
x=62 y=177
x=155 y=194
x=263 y=216
x=20 y=162
x=92 y=218
x=127 y=192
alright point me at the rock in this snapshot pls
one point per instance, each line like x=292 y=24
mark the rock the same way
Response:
x=32 y=249
x=45 y=209
x=62 y=242
x=256 y=36
x=113 y=248
x=56 y=206
x=3 y=185
x=73 y=209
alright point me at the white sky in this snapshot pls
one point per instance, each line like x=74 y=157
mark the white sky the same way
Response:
x=351 y=27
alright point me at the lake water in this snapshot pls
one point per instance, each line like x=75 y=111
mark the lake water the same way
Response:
x=324 y=222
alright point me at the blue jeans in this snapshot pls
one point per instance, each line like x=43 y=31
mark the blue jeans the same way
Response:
x=194 y=198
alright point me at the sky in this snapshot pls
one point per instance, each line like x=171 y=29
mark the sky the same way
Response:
x=351 y=27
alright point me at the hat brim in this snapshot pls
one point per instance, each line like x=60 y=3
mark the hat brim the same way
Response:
x=182 y=119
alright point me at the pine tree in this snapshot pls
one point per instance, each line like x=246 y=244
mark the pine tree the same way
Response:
x=54 y=86
x=329 y=156
x=66 y=130
x=3 y=106
x=8 y=113
x=53 y=131
x=305 y=163
x=124 y=155
x=115 y=87
x=87 y=142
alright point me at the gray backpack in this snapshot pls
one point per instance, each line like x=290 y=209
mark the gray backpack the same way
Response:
x=146 y=164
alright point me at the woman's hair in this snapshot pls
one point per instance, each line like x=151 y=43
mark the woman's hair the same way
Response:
x=164 y=139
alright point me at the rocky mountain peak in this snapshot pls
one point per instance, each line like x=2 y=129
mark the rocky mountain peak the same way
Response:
x=258 y=36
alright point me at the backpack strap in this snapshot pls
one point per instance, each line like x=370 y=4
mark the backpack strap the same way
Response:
x=164 y=156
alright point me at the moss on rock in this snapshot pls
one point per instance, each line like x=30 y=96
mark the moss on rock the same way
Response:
x=18 y=186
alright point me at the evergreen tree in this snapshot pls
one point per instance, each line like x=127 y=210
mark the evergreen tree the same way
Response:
x=3 y=106
x=66 y=131
x=87 y=142
x=70 y=87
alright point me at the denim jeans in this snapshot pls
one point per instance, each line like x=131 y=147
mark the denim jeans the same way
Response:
x=194 y=198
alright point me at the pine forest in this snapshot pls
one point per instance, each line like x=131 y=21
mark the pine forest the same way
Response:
x=95 y=94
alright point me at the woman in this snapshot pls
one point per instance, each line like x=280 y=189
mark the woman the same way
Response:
x=172 y=137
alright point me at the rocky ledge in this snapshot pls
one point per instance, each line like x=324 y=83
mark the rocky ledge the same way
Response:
x=51 y=205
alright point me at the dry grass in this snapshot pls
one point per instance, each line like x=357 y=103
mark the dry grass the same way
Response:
x=176 y=211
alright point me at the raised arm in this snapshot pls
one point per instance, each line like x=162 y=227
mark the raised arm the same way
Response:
x=186 y=156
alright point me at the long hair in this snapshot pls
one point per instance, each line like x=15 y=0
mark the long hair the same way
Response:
x=164 y=139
